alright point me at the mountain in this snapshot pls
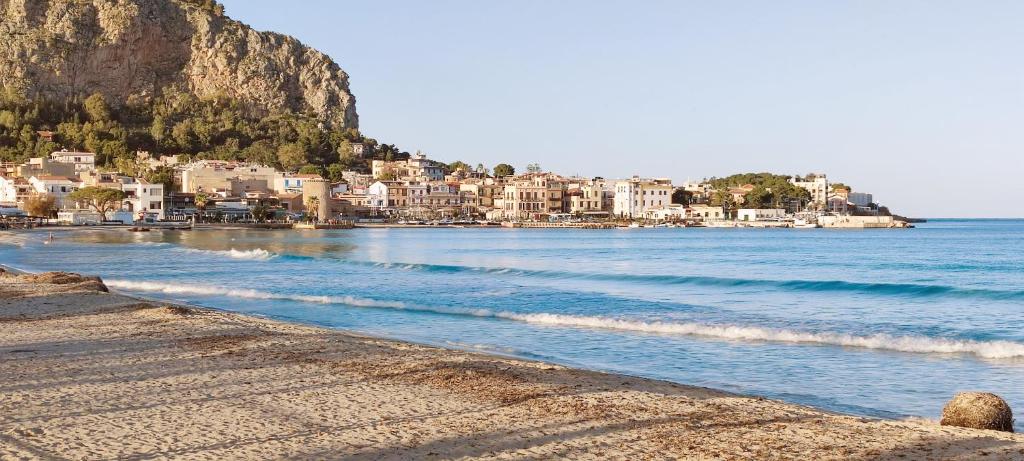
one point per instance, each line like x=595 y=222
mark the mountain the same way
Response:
x=133 y=51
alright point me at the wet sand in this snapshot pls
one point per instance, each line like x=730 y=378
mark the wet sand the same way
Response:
x=93 y=375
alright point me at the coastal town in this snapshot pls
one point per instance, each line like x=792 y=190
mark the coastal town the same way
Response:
x=69 y=188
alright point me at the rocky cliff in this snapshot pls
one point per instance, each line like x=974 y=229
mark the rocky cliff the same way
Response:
x=130 y=50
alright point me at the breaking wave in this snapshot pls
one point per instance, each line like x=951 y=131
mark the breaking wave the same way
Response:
x=257 y=254
x=998 y=349
x=245 y=293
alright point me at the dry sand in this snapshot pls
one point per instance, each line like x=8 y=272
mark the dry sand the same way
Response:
x=93 y=375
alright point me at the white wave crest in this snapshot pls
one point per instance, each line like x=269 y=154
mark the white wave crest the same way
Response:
x=999 y=349
x=257 y=254
x=245 y=293
x=917 y=344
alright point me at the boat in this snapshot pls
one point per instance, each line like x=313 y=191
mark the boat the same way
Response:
x=634 y=225
x=805 y=224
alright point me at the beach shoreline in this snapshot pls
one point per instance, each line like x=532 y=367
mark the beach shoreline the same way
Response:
x=94 y=374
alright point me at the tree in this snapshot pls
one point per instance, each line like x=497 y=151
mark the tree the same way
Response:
x=163 y=175
x=259 y=212
x=458 y=165
x=201 y=201
x=533 y=168
x=311 y=169
x=759 y=197
x=96 y=108
x=101 y=199
x=682 y=196
x=334 y=172
x=291 y=156
x=503 y=169
x=40 y=205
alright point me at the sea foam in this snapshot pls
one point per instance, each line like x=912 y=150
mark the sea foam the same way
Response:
x=999 y=349
x=258 y=254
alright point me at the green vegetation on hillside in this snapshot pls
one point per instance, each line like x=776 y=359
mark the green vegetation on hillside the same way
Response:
x=770 y=190
x=176 y=122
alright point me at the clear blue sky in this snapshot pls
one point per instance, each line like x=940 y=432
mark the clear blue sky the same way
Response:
x=918 y=102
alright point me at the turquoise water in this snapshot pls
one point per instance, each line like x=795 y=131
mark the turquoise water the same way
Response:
x=884 y=323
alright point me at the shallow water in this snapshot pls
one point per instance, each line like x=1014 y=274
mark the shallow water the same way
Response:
x=876 y=322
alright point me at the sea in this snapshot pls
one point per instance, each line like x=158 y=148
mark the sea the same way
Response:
x=882 y=323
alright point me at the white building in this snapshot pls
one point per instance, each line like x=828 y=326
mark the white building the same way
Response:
x=752 y=214
x=14 y=191
x=377 y=195
x=670 y=212
x=634 y=196
x=817 y=185
x=861 y=199
x=59 y=187
x=143 y=198
x=83 y=161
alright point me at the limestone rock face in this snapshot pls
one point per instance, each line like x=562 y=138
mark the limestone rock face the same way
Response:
x=130 y=50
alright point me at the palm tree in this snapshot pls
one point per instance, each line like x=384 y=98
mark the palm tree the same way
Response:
x=259 y=212
x=313 y=207
x=201 y=201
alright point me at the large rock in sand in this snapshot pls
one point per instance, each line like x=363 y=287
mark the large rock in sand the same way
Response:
x=978 y=410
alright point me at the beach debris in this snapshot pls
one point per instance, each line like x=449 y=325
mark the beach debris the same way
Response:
x=978 y=410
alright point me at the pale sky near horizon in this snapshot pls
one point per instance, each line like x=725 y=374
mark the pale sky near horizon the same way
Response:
x=919 y=102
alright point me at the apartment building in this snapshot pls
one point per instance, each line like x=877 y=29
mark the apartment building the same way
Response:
x=635 y=195
x=816 y=184
x=531 y=195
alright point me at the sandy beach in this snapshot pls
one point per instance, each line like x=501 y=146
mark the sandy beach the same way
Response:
x=94 y=375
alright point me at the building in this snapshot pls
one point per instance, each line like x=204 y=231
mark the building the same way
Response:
x=59 y=187
x=705 y=212
x=285 y=182
x=861 y=199
x=416 y=168
x=356 y=179
x=143 y=199
x=482 y=190
x=739 y=194
x=82 y=161
x=760 y=214
x=531 y=195
x=14 y=191
x=670 y=212
x=40 y=166
x=211 y=176
x=635 y=195
x=387 y=195
x=586 y=198
x=817 y=185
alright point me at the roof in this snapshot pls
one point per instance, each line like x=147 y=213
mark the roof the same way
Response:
x=306 y=176
x=57 y=178
x=289 y=195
